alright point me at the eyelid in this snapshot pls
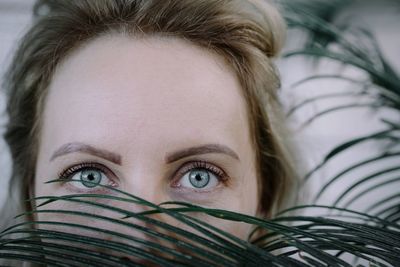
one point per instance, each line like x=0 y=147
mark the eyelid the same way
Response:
x=199 y=164
x=73 y=169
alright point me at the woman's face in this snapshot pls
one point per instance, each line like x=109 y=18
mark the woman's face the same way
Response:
x=158 y=118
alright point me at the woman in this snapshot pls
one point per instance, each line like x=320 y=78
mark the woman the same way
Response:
x=167 y=100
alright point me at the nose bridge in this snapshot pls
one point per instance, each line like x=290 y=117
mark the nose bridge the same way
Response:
x=135 y=223
x=134 y=233
x=150 y=184
x=147 y=184
x=144 y=180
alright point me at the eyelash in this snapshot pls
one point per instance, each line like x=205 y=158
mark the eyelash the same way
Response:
x=192 y=165
x=70 y=171
x=182 y=170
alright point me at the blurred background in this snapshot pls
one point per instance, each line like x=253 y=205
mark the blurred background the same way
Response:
x=315 y=137
x=15 y=16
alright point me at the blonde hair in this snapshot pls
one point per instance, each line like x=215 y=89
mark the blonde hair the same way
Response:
x=248 y=34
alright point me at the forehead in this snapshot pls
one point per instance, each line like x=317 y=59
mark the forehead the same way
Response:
x=150 y=88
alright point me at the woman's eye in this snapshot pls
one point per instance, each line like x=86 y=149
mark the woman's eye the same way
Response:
x=199 y=178
x=90 y=178
x=86 y=178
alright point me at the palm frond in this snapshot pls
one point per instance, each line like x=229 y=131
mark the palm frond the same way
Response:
x=289 y=240
x=357 y=48
x=333 y=236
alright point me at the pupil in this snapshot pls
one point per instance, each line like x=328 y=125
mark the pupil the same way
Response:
x=90 y=178
x=198 y=177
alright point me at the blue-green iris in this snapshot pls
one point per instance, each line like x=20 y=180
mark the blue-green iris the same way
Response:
x=199 y=178
x=90 y=178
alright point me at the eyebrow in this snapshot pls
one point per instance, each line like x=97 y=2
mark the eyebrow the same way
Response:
x=88 y=149
x=198 y=150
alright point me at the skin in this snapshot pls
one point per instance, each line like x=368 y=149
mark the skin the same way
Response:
x=147 y=112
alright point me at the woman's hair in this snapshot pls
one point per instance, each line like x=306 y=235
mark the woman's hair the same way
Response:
x=247 y=34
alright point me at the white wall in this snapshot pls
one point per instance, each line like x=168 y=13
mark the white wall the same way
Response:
x=14 y=19
x=383 y=20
